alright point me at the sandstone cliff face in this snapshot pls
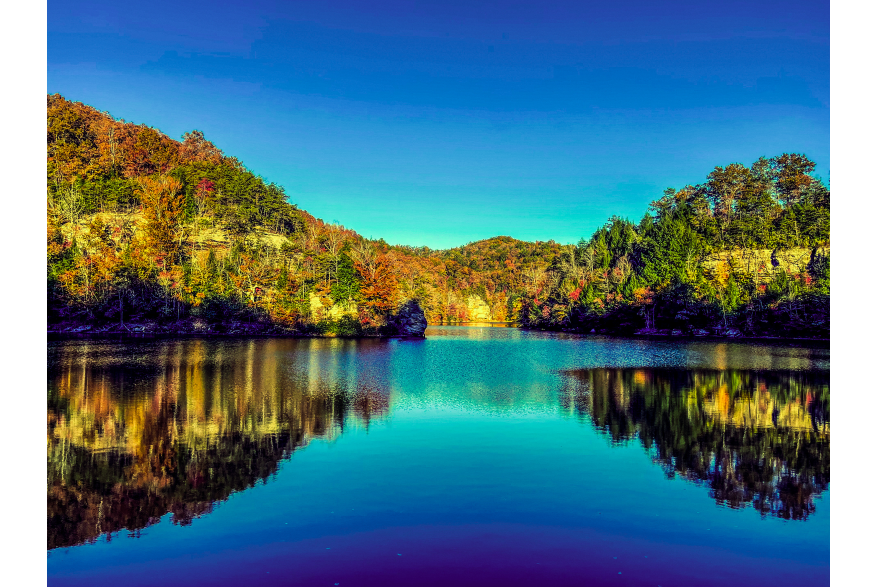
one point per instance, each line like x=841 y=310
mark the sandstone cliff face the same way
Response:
x=319 y=310
x=205 y=236
x=762 y=264
x=477 y=309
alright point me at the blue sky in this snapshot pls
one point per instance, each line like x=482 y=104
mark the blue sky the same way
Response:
x=443 y=123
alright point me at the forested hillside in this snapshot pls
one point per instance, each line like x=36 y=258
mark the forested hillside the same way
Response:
x=149 y=234
x=745 y=252
x=145 y=233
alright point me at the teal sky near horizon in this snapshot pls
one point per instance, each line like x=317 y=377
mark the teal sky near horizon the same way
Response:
x=441 y=124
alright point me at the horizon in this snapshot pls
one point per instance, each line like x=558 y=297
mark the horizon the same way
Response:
x=473 y=121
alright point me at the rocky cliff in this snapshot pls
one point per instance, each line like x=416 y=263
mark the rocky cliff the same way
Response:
x=763 y=264
x=477 y=309
x=322 y=308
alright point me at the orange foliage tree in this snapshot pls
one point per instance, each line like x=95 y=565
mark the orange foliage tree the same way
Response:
x=380 y=284
x=162 y=204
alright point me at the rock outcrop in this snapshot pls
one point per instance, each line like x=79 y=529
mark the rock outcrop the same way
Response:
x=319 y=310
x=408 y=320
x=763 y=264
x=477 y=309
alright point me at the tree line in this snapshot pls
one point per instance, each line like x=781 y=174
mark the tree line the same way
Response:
x=147 y=232
x=708 y=258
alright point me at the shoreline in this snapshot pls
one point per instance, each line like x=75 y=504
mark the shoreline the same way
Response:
x=677 y=335
x=188 y=329
x=238 y=330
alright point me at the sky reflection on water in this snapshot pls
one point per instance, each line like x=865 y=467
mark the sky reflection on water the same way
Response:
x=476 y=456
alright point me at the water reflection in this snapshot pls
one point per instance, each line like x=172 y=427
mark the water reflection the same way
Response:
x=758 y=438
x=134 y=433
x=137 y=431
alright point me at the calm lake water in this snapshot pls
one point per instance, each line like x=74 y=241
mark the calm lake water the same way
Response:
x=479 y=456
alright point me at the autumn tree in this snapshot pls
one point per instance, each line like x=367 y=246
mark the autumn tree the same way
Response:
x=162 y=206
x=196 y=148
x=724 y=187
x=379 y=285
x=791 y=174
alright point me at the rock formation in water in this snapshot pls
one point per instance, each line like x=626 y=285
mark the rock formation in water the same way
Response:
x=408 y=320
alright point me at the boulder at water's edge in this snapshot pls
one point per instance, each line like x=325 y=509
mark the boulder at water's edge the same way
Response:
x=408 y=320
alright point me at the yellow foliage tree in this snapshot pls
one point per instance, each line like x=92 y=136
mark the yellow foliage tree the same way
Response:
x=162 y=204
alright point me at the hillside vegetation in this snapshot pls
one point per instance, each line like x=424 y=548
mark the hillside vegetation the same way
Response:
x=149 y=234
x=145 y=233
x=746 y=252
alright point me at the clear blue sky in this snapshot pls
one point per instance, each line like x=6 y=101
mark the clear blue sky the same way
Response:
x=441 y=123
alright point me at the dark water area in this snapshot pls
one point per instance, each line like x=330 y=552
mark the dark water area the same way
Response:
x=478 y=456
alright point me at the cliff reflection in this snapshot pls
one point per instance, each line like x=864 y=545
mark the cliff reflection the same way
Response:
x=190 y=423
x=758 y=438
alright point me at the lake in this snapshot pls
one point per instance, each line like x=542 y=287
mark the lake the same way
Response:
x=477 y=456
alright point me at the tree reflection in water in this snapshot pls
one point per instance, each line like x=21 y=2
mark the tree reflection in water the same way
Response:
x=135 y=432
x=182 y=430
x=757 y=438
